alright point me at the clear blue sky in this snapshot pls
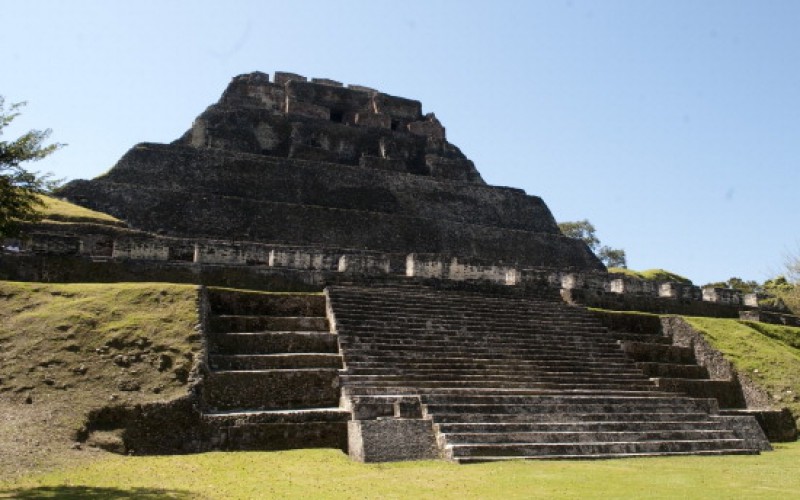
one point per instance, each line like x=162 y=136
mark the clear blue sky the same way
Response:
x=674 y=126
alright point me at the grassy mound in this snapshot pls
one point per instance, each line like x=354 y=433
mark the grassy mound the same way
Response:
x=68 y=348
x=651 y=275
x=56 y=210
x=768 y=354
x=330 y=474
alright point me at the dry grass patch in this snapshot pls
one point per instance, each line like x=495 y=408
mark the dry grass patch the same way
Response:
x=66 y=349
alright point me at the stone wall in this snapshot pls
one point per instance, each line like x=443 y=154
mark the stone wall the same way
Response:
x=280 y=180
x=107 y=253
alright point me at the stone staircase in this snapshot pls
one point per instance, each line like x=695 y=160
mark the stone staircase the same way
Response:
x=509 y=377
x=273 y=366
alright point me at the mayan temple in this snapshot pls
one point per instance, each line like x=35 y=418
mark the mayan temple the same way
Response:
x=415 y=311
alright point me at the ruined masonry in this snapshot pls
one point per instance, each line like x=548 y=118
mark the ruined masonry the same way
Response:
x=414 y=311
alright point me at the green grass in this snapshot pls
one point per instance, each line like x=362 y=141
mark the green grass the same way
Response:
x=94 y=314
x=330 y=474
x=651 y=275
x=768 y=354
x=63 y=211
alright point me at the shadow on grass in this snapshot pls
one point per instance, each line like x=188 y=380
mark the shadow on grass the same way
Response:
x=92 y=492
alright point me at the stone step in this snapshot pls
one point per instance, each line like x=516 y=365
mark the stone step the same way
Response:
x=489 y=371
x=414 y=338
x=355 y=366
x=421 y=316
x=673 y=370
x=543 y=348
x=567 y=377
x=639 y=337
x=323 y=414
x=448 y=384
x=271 y=389
x=410 y=355
x=273 y=342
x=576 y=399
x=273 y=361
x=595 y=448
x=606 y=456
x=237 y=323
x=365 y=391
x=576 y=427
x=485 y=418
x=520 y=351
x=727 y=392
x=277 y=430
x=583 y=436
x=246 y=302
x=474 y=327
x=566 y=408
x=659 y=353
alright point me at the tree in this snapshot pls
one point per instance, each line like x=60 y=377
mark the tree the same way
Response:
x=20 y=188
x=585 y=230
x=612 y=257
x=581 y=230
x=738 y=284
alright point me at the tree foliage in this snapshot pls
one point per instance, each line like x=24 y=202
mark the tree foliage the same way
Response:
x=612 y=257
x=739 y=284
x=585 y=230
x=19 y=187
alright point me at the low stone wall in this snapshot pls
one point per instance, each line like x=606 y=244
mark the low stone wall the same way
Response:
x=137 y=256
x=770 y=317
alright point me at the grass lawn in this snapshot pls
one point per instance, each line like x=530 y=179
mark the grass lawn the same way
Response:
x=330 y=474
x=768 y=354
x=63 y=211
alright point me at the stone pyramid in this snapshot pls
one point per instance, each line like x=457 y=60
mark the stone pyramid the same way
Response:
x=288 y=161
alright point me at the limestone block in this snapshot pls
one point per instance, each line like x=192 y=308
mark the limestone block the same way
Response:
x=751 y=299
x=199 y=136
x=431 y=127
x=270 y=97
x=282 y=77
x=140 y=249
x=375 y=120
x=463 y=271
x=513 y=277
x=397 y=107
x=362 y=88
x=297 y=259
x=726 y=296
x=54 y=244
x=307 y=110
x=572 y=281
x=669 y=290
x=422 y=266
x=457 y=170
x=630 y=285
x=335 y=98
x=391 y=440
x=326 y=81
x=364 y=264
x=388 y=164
